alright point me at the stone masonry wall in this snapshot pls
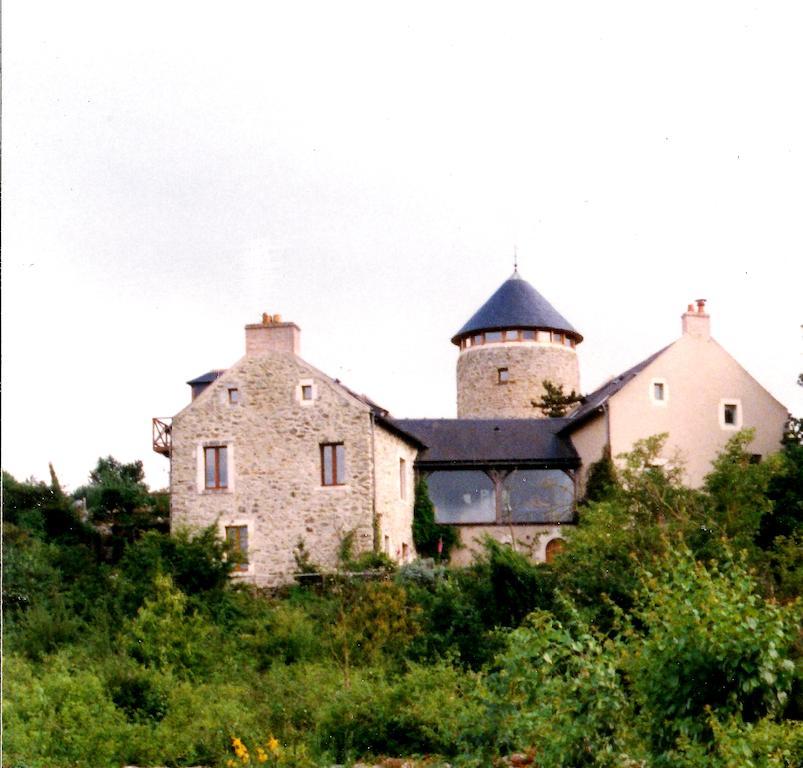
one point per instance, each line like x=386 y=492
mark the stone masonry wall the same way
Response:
x=394 y=508
x=275 y=486
x=530 y=540
x=481 y=396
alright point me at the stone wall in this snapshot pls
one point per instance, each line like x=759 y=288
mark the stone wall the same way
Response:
x=273 y=439
x=394 y=505
x=530 y=540
x=481 y=396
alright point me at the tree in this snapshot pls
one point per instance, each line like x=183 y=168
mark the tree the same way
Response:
x=430 y=538
x=118 y=500
x=554 y=402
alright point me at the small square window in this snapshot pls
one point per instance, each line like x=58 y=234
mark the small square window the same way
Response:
x=492 y=336
x=476 y=339
x=658 y=390
x=306 y=391
x=557 y=338
x=730 y=413
x=528 y=335
x=234 y=396
x=503 y=375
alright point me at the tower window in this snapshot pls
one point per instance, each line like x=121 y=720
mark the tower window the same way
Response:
x=234 y=396
x=503 y=375
x=476 y=339
x=528 y=335
x=493 y=336
x=557 y=338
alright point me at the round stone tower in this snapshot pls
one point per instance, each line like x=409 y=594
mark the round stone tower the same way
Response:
x=511 y=344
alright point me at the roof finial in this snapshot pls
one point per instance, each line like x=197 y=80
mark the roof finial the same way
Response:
x=515 y=260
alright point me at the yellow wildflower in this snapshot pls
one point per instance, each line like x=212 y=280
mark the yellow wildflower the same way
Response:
x=261 y=755
x=273 y=744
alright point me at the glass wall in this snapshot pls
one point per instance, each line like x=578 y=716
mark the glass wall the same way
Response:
x=538 y=496
x=462 y=496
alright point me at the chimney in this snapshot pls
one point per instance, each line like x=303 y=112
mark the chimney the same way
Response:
x=696 y=322
x=272 y=335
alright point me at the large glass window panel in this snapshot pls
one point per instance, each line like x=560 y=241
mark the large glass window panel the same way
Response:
x=462 y=496
x=538 y=496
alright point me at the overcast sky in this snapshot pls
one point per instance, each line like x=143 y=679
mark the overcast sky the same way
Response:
x=171 y=170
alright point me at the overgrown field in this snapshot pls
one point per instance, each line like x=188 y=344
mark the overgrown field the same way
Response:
x=667 y=633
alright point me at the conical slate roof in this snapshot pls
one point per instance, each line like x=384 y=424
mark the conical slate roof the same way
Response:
x=516 y=304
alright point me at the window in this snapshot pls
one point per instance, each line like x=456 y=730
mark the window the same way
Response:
x=729 y=413
x=658 y=390
x=462 y=496
x=528 y=335
x=234 y=396
x=333 y=464
x=538 y=496
x=306 y=391
x=493 y=336
x=402 y=479
x=557 y=338
x=503 y=375
x=216 y=471
x=476 y=339
x=237 y=539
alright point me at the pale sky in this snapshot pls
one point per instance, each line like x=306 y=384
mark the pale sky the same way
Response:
x=171 y=170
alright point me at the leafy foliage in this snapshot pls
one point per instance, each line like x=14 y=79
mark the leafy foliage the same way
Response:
x=430 y=538
x=555 y=402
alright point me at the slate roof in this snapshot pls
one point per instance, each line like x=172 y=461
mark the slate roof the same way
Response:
x=592 y=402
x=473 y=442
x=516 y=304
x=208 y=377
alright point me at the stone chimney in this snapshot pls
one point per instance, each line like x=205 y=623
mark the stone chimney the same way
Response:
x=696 y=322
x=272 y=335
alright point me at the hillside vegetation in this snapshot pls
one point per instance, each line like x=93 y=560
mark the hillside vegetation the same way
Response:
x=666 y=633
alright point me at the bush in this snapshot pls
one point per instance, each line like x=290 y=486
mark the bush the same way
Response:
x=711 y=645
x=420 y=712
x=430 y=538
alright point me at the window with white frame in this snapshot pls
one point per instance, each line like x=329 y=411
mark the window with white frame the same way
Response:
x=730 y=413
x=659 y=391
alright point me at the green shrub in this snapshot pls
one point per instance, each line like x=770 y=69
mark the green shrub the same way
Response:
x=59 y=715
x=430 y=538
x=712 y=644
x=420 y=712
x=289 y=635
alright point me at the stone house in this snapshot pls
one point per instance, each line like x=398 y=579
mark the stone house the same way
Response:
x=276 y=453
